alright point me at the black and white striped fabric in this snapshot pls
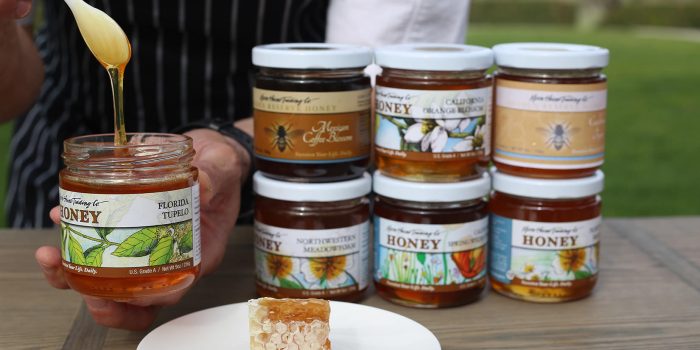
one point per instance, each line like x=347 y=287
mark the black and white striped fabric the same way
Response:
x=190 y=61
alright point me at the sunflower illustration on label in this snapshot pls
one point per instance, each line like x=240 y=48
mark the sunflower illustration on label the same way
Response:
x=312 y=263
x=442 y=258
x=544 y=254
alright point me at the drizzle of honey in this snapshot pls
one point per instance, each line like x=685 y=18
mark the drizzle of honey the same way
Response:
x=109 y=44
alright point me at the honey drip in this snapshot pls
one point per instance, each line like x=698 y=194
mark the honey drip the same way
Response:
x=109 y=44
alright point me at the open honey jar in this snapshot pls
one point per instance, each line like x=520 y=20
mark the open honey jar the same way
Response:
x=129 y=215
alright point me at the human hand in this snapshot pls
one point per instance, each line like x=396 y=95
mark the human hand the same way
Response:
x=14 y=9
x=223 y=165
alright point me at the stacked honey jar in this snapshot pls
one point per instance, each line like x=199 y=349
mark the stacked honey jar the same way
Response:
x=440 y=120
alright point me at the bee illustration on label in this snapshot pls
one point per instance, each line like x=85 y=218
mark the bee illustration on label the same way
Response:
x=282 y=135
x=558 y=135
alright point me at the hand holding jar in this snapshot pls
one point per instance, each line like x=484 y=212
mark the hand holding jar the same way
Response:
x=220 y=184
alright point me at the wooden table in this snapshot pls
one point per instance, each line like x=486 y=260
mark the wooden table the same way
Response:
x=648 y=297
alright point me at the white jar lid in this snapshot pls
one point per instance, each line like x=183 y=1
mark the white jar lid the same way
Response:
x=312 y=192
x=434 y=57
x=550 y=56
x=548 y=188
x=311 y=56
x=431 y=192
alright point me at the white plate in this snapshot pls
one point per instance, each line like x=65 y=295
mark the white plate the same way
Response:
x=353 y=327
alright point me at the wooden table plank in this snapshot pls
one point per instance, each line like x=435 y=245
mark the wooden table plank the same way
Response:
x=665 y=243
x=34 y=315
x=647 y=298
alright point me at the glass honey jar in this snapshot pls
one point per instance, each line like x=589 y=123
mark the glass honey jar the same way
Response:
x=549 y=118
x=312 y=239
x=430 y=241
x=312 y=111
x=545 y=237
x=129 y=215
x=433 y=111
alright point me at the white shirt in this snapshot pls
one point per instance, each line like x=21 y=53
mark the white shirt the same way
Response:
x=381 y=22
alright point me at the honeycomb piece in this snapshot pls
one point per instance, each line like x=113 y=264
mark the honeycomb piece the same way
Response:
x=289 y=324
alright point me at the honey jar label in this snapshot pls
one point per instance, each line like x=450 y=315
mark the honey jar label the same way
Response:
x=129 y=235
x=549 y=126
x=312 y=127
x=322 y=263
x=296 y=102
x=433 y=125
x=430 y=258
x=544 y=254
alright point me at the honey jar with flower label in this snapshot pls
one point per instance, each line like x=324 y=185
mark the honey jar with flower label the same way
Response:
x=545 y=237
x=433 y=111
x=312 y=239
x=430 y=241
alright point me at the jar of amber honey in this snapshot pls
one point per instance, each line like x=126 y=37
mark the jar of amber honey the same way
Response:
x=129 y=215
x=430 y=241
x=312 y=111
x=545 y=237
x=433 y=111
x=549 y=119
x=312 y=239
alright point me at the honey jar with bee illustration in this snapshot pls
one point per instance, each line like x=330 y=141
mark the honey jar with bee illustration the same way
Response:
x=312 y=111
x=550 y=106
x=545 y=236
x=433 y=111
x=430 y=241
x=312 y=239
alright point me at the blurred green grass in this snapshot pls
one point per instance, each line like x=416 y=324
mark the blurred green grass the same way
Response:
x=652 y=151
x=652 y=144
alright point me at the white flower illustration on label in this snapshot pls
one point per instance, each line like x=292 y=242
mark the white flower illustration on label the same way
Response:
x=433 y=121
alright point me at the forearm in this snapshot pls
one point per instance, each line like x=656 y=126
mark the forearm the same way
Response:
x=21 y=70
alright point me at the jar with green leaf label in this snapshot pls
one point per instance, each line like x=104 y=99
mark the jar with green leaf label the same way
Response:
x=129 y=215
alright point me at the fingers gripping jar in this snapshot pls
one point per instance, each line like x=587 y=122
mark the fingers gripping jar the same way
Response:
x=312 y=111
x=312 y=239
x=545 y=236
x=433 y=111
x=129 y=215
x=549 y=118
x=430 y=241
